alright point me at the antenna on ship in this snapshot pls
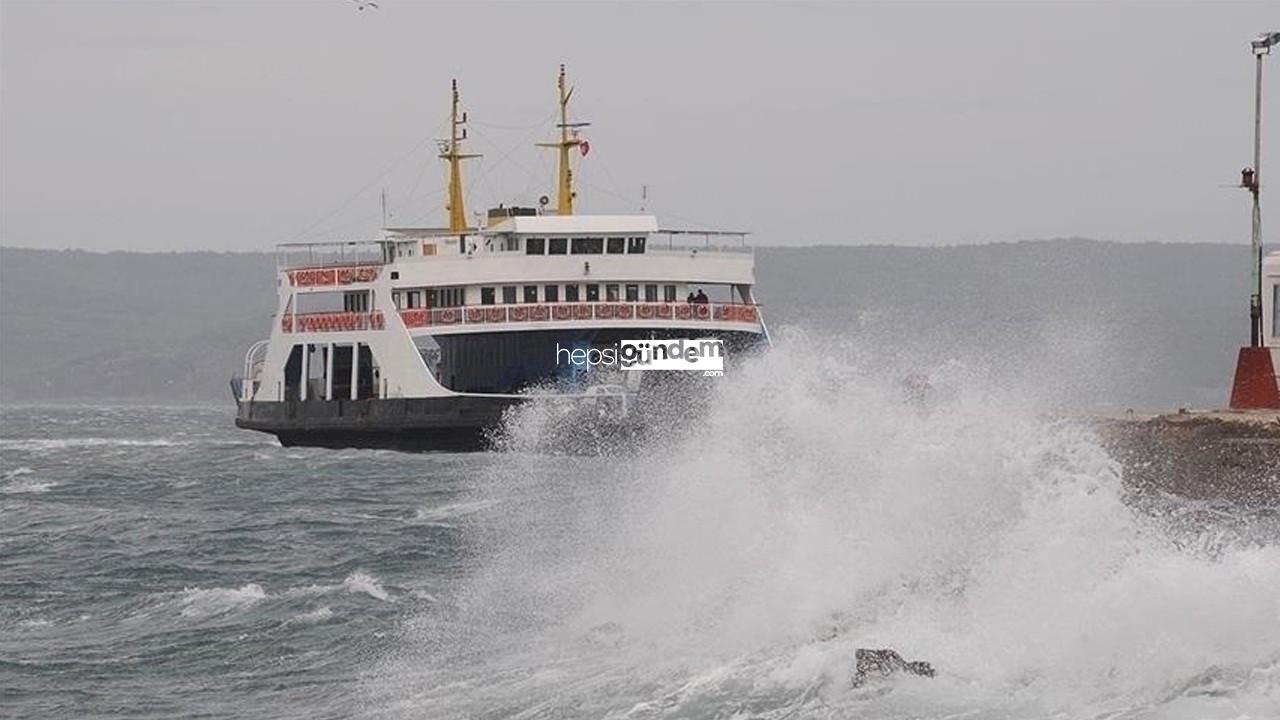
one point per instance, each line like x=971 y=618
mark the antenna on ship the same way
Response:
x=569 y=139
x=451 y=150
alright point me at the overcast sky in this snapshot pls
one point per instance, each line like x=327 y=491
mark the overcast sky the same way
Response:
x=236 y=125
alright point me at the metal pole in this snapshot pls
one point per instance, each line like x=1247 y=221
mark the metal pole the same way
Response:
x=1255 y=301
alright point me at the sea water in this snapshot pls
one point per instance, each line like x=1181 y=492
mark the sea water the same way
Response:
x=157 y=562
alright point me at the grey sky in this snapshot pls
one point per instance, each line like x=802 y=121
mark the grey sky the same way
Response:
x=236 y=125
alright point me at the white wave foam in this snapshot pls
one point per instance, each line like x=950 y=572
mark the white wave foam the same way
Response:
x=18 y=472
x=319 y=615
x=808 y=511
x=31 y=486
x=199 y=603
x=361 y=582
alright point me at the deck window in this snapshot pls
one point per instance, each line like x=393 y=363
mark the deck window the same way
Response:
x=617 y=245
x=508 y=294
x=593 y=293
x=557 y=246
x=510 y=243
x=486 y=296
x=535 y=246
x=355 y=301
x=588 y=246
x=446 y=297
x=551 y=293
x=651 y=293
x=635 y=246
x=633 y=293
x=531 y=293
x=1275 y=310
x=611 y=292
x=669 y=293
x=571 y=293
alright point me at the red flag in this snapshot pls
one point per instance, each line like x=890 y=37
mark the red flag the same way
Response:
x=586 y=147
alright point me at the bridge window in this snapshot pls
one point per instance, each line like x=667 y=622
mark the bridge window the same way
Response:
x=651 y=293
x=635 y=245
x=508 y=294
x=669 y=293
x=531 y=293
x=617 y=245
x=633 y=293
x=588 y=246
x=611 y=292
x=593 y=293
x=557 y=246
x=486 y=296
x=551 y=293
x=571 y=293
x=534 y=246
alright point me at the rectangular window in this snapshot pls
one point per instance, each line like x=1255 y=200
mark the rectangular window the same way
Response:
x=571 y=293
x=412 y=297
x=558 y=246
x=593 y=293
x=531 y=293
x=635 y=245
x=617 y=245
x=510 y=243
x=588 y=246
x=611 y=292
x=486 y=296
x=508 y=294
x=651 y=293
x=1275 y=311
x=395 y=299
x=534 y=246
x=551 y=293
x=669 y=293
x=633 y=293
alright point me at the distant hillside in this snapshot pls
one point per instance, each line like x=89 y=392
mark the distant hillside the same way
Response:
x=1098 y=323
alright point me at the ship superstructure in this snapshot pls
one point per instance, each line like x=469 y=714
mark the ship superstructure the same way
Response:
x=423 y=337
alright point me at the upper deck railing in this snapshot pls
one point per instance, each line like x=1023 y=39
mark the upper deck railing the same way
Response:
x=292 y=256
x=333 y=254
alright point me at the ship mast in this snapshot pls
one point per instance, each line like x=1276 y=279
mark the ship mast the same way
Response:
x=568 y=140
x=451 y=150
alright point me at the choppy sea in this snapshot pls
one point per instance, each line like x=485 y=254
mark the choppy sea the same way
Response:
x=158 y=562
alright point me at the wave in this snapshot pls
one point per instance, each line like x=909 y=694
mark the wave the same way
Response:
x=361 y=582
x=201 y=603
x=808 y=509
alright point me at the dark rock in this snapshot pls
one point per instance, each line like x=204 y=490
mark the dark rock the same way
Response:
x=872 y=664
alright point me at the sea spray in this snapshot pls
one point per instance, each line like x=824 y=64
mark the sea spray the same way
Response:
x=735 y=561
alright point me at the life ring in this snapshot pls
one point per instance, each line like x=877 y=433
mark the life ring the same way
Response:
x=448 y=316
x=604 y=312
x=702 y=311
x=496 y=314
x=475 y=315
x=644 y=312
x=623 y=312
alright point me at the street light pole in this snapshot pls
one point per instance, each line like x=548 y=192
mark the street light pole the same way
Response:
x=1251 y=181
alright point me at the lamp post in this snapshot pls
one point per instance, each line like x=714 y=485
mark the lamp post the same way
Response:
x=1250 y=181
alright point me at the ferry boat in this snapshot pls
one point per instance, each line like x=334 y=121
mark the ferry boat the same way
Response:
x=422 y=338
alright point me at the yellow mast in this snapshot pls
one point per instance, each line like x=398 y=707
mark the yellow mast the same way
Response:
x=450 y=150
x=568 y=140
